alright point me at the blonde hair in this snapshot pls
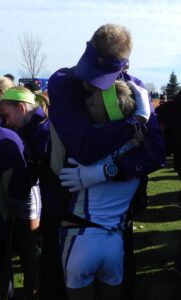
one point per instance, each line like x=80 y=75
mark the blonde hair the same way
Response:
x=43 y=101
x=5 y=83
x=125 y=98
x=112 y=41
x=39 y=99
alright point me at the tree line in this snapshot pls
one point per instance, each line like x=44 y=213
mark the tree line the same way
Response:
x=169 y=90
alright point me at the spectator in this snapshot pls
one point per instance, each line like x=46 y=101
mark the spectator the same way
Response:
x=15 y=202
x=168 y=115
x=10 y=76
x=5 y=83
x=21 y=111
x=33 y=87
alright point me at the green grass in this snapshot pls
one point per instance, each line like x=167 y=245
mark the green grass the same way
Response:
x=157 y=240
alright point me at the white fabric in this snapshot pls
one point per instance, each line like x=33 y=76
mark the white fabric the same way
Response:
x=106 y=202
x=141 y=99
x=87 y=257
x=97 y=253
x=29 y=209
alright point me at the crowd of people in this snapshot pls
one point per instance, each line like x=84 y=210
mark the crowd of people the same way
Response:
x=74 y=169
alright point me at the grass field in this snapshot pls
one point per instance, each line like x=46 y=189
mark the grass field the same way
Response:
x=157 y=240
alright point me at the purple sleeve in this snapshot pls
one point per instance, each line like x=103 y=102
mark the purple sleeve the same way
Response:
x=146 y=158
x=11 y=149
x=83 y=141
x=11 y=156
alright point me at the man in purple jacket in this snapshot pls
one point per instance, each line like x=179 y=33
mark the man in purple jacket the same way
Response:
x=101 y=64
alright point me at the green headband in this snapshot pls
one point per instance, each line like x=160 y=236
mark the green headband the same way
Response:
x=18 y=95
x=111 y=104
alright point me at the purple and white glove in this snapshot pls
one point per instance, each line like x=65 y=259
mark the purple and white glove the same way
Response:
x=81 y=177
x=141 y=99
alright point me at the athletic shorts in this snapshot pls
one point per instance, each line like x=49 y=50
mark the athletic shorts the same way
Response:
x=89 y=254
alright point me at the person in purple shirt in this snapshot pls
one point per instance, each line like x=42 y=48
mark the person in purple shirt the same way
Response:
x=102 y=62
x=74 y=135
x=20 y=111
x=14 y=201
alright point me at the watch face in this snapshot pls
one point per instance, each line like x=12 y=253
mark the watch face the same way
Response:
x=111 y=169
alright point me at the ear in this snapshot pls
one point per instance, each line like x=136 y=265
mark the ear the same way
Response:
x=21 y=108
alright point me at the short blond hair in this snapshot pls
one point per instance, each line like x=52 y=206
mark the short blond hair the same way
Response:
x=5 y=83
x=125 y=98
x=112 y=41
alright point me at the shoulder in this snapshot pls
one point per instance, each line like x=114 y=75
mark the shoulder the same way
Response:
x=8 y=136
x=11 y=149
x=61 y=77
x=65 y=92
x=134 y=79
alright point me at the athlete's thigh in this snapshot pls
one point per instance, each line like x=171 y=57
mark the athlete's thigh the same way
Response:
x=79 y=259
x=111 y=267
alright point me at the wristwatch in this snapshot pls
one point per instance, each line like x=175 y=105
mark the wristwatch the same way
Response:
x=110 y=171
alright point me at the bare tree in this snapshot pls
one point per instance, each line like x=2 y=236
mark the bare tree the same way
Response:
x=33 y=59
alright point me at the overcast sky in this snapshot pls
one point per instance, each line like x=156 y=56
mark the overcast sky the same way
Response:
x=64 y=26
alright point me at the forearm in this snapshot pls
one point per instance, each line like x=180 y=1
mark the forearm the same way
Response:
x=88 y=144
x=142 y=160
x=139 y=161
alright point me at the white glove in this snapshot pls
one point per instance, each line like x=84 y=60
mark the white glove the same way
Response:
x=141 y=99
x=81 y=177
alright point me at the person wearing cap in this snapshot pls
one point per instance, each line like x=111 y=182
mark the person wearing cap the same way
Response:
x=33 y=87
x=15 y=198
x=101 y=64
x=20 y=111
